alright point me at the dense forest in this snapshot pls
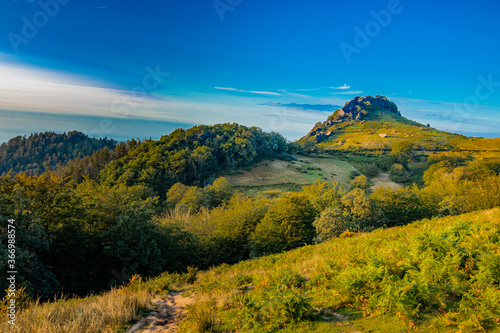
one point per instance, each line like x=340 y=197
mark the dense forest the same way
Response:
x=155 y=206
x=46 y=151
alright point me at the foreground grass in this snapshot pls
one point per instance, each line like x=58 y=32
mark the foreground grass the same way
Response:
x=113 y=311
x=440 y=275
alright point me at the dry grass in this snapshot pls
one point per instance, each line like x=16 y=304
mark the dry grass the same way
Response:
x=109 y=312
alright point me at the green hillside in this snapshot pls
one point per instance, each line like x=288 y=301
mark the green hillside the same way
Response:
x=375 y=123
x=439 y=275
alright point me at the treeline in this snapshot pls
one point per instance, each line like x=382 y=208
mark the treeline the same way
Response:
x=43 y=151
x=77 y=238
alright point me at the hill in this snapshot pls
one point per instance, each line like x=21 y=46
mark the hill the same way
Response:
x=376 y=123
x=437 y=275
x=193 y=156
x=43 y=151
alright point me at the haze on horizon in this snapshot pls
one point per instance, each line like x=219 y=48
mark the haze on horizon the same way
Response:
x=141 y=69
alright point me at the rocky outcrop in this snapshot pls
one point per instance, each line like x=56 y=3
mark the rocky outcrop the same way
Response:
x=359 y=109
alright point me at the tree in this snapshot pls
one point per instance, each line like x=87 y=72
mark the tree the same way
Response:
x=331 y=223
x=401 y=206
x=323 y=194
x=287 y=225
x=218 y=192
x=399 y=174
x=363 y=211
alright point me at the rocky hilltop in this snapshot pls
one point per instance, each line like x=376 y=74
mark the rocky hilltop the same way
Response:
x=359 y=109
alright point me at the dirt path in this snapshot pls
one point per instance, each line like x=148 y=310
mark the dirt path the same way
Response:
x=383 y=180
x=167 y=318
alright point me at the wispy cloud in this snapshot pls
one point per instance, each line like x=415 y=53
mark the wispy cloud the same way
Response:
x=307 y=107
x=250 y=91
x=344 y=87
x=286 y=92
x=350 y=92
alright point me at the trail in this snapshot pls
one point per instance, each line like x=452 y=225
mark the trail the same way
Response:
x=167 y=318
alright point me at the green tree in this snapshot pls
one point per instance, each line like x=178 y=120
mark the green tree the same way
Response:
x=401 y=206
x=362 y=210
x=402 y=150
x=331 y=223
x=399 y=174
x=324 y=194
x=287 y=225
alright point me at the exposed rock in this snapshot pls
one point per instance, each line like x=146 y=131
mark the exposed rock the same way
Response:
x=358 y=110
x=383 y=135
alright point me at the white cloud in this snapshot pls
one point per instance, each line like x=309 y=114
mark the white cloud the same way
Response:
x=249 y=91
x=350 y=92
x=344 y=87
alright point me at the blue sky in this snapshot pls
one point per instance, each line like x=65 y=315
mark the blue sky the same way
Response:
x=126 y=69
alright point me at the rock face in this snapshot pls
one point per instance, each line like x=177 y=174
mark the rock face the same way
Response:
x=361 y=108
x=358 y=109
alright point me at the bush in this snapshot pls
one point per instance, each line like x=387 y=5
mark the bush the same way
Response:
x=331 y=223
x=360 y=182
x=287 y=225
x=354 y=174
x=399 y=174
x=401 y=206
x=274 y=308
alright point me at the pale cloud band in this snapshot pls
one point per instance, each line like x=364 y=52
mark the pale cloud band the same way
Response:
x=70 y=103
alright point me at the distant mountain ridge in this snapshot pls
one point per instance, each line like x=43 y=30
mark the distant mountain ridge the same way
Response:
x=42 y=151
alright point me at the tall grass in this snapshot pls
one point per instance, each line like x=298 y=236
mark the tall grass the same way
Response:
x=105 y=313
x=113 y=311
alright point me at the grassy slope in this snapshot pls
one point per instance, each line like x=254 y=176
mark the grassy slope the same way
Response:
x=336 y=270
x=283 y=175
x=367 y=135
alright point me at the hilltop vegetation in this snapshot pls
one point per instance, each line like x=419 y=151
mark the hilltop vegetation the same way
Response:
x=43 y=151
x=192 y=156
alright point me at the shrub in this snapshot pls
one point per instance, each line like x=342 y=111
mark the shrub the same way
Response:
x=399 y=174
x=331 y=223
x=273 y=308
x=287 y=225
x=360 y=182
x=401 y=206
x=354 y=174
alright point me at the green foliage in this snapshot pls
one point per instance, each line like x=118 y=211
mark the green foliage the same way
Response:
x=360 y=182
x=273 y=308
x=437 y=275
x=323 y=194
x=331 y=223
x=403 y=151
x=399 y=173
x=401 y=206
x=287 y=225
x=362 y=211
x=192 y=156
x=370 y=170
x=354 y=174
x=41 y=152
